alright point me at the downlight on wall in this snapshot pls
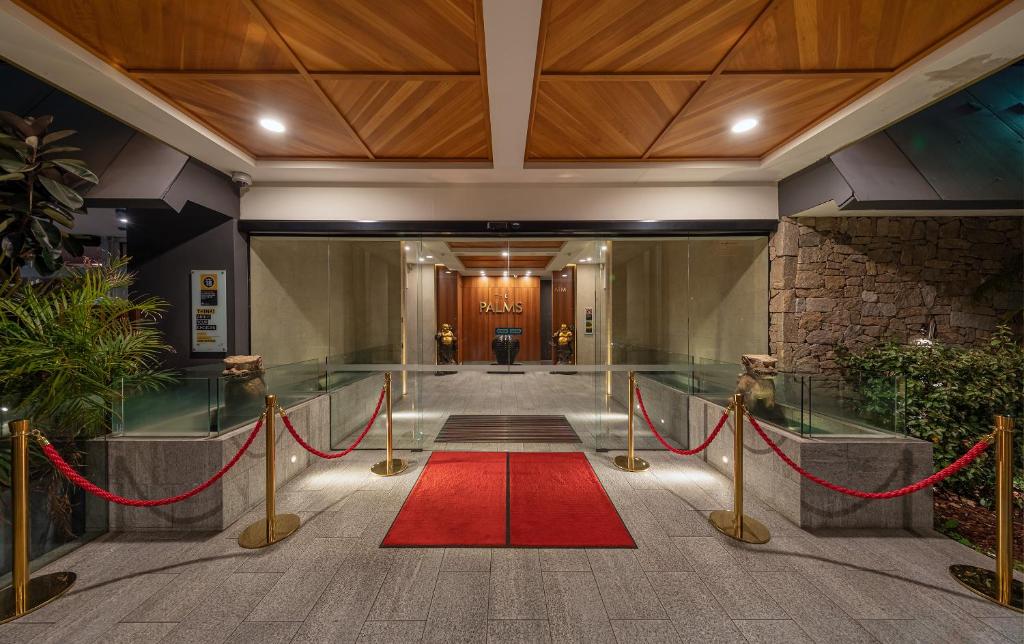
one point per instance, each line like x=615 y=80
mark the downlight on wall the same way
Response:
x=272 y=124
x=744 y=125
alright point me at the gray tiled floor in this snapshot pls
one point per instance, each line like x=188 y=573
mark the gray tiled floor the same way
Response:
x=331 y=583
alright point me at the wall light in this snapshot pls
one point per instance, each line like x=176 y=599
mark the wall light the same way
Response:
x=294 y=458
x=529 y=273
x=272 y=124
x=725 y=459
x=744 y=125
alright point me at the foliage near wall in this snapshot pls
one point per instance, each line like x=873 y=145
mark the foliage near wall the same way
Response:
x=952 y=395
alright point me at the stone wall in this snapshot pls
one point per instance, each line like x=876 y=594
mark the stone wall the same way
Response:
x=854 y=281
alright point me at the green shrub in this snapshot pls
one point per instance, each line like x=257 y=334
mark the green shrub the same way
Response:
x=952 y=395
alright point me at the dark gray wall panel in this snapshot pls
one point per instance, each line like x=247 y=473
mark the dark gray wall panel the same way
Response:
x=878 y=171
x=812 y=187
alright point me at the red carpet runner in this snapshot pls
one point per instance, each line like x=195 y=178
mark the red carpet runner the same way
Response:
x=484 y=499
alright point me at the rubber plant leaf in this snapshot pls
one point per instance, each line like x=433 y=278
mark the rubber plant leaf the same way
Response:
x=77 y=168
x=62 y=193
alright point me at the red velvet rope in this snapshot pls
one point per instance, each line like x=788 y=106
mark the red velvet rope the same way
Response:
x=682 y=452
x=944 y=473
x=72 y=475
x=312 y=450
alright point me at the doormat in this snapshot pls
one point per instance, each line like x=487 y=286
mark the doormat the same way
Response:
x=507 y=429
x=509 y=499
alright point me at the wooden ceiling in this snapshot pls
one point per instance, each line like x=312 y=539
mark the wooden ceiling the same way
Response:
x=520 y=254
x=350 y=79
x=655 y=80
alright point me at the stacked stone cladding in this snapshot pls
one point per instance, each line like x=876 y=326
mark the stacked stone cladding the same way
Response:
x=854 y=281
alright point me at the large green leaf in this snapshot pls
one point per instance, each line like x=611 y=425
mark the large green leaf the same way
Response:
x=41 y=235
x=53 y=137
x=77 y=168
x=57 y=212
x=13 y=176
x=62 y=193
x=59 y=148
x=14 y=165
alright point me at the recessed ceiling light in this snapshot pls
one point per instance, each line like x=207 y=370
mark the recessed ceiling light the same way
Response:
x=123 y=220
x=504 y=253
x=529 y=273
x=421 y=259
x=408 y=248
x=366 y=221
x=565 y=275
x=648 y=221
x=504 y=274
x=272 y=124
x=483 y=272
x=590 y=259
x=430 y=257
x=604 y=248
x=744 y=125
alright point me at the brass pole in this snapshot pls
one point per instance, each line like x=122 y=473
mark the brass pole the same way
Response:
x=390 y=465
x=734 y=523
x=24 y=595
x=999 y=585
x=630 y=462
x=274 y=527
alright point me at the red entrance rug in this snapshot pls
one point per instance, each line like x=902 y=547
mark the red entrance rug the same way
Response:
x=485 y=499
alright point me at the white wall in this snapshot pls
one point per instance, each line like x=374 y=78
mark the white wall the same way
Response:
x=507 y=202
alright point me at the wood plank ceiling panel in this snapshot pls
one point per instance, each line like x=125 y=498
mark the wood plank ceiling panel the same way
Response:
x=789 y=63
x=370 y=35
x=415 y=118
x=496 y=261
x=234 y=105
x=782 y=106
x=588 y=119
x=352 y=79
x=850 y=34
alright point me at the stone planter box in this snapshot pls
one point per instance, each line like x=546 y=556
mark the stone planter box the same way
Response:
x=868 y=463
x=154 y=467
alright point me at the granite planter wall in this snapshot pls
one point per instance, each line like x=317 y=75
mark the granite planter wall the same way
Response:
x=871 y=464
x=667 y=406
x=154 y=467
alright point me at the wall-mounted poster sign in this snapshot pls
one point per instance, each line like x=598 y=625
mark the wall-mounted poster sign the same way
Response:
x=209 y=312
x=588 y=320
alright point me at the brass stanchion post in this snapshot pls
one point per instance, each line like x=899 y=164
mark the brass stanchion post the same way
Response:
x=999 y=585
x=390 y=465
x=274 y=527
x=630 y=462
x=734 y=523
x=24 y=595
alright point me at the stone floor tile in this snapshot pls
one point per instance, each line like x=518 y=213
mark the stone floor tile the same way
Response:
x=696 y=614
x=214 y=621
x=263 y=633
x=382 y=632
x=903 y=631
x=298 y=589
x=458 y=609
x=20 y=631
x=518 y=631
x=1012 y=628
x=816 y=615
x=648 y=631
x=466 y=560
x=624 y=587
x=576 y=612
x=516 y=586
x=564 y=560
x=406 y=592
x=772 y=631
x=134 y=632
x=732 y=586
x=354 y=588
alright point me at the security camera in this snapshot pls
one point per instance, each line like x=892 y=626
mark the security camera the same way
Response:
x=242 y=179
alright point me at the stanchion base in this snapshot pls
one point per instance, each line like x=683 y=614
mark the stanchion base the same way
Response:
x=41 y=591
x=983 y=582
x=753 y=530
x=397 y=467
x=638 y=464
x=255 y=536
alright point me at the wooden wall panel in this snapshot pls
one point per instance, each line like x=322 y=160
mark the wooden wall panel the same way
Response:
x=563 y=300
x=446 y=284
x=478 y=328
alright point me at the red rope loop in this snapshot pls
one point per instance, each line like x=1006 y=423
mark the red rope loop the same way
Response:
x=944 y=473
x=312 y=450
x=682 y=452
x=72 y=475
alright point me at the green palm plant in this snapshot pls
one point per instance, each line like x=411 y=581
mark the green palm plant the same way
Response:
x=39 y=195
x=70 y=347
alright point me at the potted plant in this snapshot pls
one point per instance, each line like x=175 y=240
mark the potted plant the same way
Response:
x=70 y=345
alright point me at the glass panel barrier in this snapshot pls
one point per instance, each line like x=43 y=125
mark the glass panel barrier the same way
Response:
x=183 y=408
x=840 y=408
x=242 y=398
